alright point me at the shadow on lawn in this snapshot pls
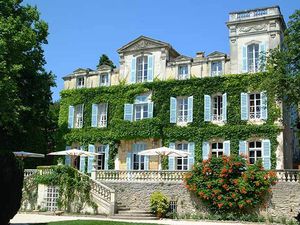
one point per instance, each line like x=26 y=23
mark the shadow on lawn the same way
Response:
x=29 y=224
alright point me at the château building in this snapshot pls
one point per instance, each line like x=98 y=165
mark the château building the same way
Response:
x=212 y=104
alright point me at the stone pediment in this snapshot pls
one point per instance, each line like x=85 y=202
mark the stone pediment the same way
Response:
x=104 y=67
x=183 y=58
x=142 y=43
x=216 y=54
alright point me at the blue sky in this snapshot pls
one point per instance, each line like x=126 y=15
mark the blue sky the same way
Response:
x=80 y=31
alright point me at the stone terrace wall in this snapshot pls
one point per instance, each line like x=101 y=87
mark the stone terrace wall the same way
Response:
x=284 y=201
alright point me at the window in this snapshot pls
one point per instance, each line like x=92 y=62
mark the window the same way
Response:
x=80 y=82
x=217 y=149
x=217 y=108
x=142 y=69
x=254 y=106
x=101 y=157
x=138 y=162
x=78 y=119
x=102 y=118
x=255 y=151
x=183 y=72
x=104 y=79
x=182 y=162
x=253 y=57
x=140 y=111
x=51 y=198
x=182 y=115
x=216 y=68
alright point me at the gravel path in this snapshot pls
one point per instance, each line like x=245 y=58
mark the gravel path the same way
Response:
x=25 y=219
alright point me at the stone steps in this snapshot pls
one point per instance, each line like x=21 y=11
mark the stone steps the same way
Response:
x=125 y=212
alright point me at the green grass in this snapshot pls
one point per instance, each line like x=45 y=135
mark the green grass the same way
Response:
x=93 y=222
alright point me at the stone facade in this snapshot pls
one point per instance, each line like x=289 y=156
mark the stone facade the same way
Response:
x=284 y=200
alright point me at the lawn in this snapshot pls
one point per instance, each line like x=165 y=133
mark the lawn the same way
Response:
x=92 y=222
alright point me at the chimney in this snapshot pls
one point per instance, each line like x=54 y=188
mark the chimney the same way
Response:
x=200 y=55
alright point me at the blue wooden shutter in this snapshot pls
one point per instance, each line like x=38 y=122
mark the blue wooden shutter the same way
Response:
x=205 y=150
x=171 y=160
x=226 y=145
x=150 y=110
x=207 y=108
x=245 y=59
x=106 y=157
x=128 y=112
x=67 y=157
x=106 y=112
x=82 y=161
x=264 y=106
x=71 y=117
x=262 y=56
x=266 y=154
x=224 y=110
x=191 y=157
x=243 y=148
x=150 y=68
x=91 y=159
x=244 y=106
x=147 y=162
x=128 y=161
x=94 y=115
x=133 y=70
x=190 y=109
x=173 y=109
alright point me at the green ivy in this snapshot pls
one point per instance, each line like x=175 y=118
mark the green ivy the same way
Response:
x=159 y=127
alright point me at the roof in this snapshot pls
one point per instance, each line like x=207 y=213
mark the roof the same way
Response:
x=216 y=54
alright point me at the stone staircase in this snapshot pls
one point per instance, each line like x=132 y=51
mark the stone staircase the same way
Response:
x=125 y=212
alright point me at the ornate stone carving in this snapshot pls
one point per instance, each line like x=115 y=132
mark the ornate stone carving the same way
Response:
x=259 y=27
x=142 y=44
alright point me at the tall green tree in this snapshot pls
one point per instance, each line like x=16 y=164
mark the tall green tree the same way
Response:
x=284 y=63
x=104 y=60
x=24 y=83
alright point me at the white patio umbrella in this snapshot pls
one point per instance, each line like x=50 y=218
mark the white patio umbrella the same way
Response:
x=164 y=151
x=23 y=154
x=74 y=153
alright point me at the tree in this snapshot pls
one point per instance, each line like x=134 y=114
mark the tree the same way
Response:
x=284 y=63
x=104 y=60
x=24 y=83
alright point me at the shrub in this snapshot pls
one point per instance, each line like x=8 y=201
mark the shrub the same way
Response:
x=230 y=184
x=159 y=204
x=11 y=180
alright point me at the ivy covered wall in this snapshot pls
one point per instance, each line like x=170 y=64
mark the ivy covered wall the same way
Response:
x=159 y=127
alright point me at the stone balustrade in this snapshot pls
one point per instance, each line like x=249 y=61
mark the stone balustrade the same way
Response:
x=135 y=176
x=249 y=14
x=29 y=172
x=173 y=176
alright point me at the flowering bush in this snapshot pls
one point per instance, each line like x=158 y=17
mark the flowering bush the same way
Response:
x=159 y=204
x=229 y=184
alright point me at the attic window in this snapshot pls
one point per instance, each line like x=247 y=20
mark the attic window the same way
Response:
x=183 y=72
x=216 y=68
x=80 y=82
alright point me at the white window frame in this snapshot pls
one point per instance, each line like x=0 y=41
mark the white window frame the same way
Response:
x=102 y=115
x=219 y=68
x=185 y=75
x=106 y=83
x=51 y=196
x=182 y=146
x=254 y=114
x=78 y=116
x=182 y=119
x=255 y=149
x=141 y=161
x=219 y=151
x=80 y=82
x=217 y=107
x=143 y=109
x=253 y=62
x=141 y=69
x=101 y=157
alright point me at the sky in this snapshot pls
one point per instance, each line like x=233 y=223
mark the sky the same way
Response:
x=80 y=31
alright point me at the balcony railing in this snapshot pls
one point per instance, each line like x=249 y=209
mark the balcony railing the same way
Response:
x=172 y=176
x=249 y=14
x=137 y=176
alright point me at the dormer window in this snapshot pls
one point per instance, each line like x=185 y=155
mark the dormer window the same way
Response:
x=183 y=72
x=104 y=79
x=142 y=69
x=216 y=68
x=80 y=82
